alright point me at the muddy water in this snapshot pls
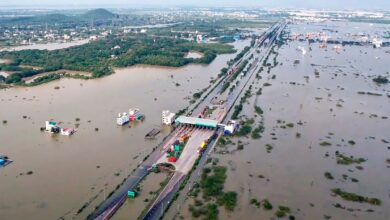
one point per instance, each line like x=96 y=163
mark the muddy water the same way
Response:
x=294 y=169
x=150 y=187
x=69 y=171
x=48 y=46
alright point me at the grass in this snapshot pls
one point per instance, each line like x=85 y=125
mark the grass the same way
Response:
x=355 y=197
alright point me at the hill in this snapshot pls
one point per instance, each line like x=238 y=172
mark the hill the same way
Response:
x=99 y=14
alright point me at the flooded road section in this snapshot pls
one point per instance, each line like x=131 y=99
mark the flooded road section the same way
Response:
x=319 y=96
x=54 y=176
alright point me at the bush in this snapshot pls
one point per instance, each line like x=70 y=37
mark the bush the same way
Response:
x=258 y=110
x=267 y=205
x=355 y=197
x=244 y=130
x=380 y=80
x=229 y=200
x=328 y=175
x=212 y=185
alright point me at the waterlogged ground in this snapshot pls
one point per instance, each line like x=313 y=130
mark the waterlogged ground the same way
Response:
x=68 y=172
x=319 y=96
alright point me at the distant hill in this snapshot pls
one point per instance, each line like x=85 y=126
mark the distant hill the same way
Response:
x=99 y=14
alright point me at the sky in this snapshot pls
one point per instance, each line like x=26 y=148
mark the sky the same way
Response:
x=316 y=4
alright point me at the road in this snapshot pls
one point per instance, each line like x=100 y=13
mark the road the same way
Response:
x=177 y=205
x=189 y=155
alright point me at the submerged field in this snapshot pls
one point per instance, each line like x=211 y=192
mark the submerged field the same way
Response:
x=324 y=152
x=101 y=154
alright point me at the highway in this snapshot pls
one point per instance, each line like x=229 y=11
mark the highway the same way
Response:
x=163 y=201
x=177 y=204
x=189 y=155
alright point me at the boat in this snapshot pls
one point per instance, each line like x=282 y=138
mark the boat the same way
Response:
x=151 y=134
x=4 y=161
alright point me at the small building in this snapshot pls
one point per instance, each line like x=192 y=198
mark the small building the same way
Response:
x=230 y=128
x=67 y=131
x=122 y=118
x=135 y=114
x=168 y=117
x=51 y=126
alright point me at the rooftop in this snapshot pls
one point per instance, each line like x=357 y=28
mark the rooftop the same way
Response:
x=197 y=121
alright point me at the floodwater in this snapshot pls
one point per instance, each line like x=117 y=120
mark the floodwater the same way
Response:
x=194 y=54
x=149 y=189
x=67 y=172
x=47 y=46
x=331 y=110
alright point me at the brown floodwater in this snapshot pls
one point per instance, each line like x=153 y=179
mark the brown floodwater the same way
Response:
x=70 y=171
x=331 y=110
x=149 y=189
x=48 y=46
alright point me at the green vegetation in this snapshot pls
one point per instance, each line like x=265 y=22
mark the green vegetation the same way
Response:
x=245 y=127
x=267 y=205
x=290 y=125
x=380 y=80
x=223 y=141
x=255 y=202
x=44 y=79
x=328 y=175
x=229 y=200
x=344 y=160
x=258 y=110
x=256 y=133
x=282 y=211
x=355 y=197
x=209 y=211
x=238 y=108
x=212 y=185
x=235 y=75
x=237 y=111
x=268 y=147
x=325 y=143
x=99 y=57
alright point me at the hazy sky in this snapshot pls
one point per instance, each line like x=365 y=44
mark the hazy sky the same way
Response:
x=332 y=4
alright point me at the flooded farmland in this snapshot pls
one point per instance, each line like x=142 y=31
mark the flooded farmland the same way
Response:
x=41 y=180
x=316 y=106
